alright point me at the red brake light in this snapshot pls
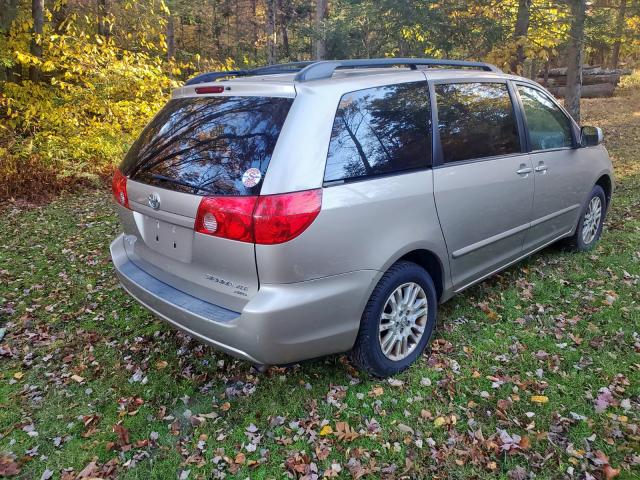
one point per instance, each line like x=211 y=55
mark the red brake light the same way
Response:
x=119 y=188
x=280 y=218
x=214 y=89
x=266 y=220
x=228 y=217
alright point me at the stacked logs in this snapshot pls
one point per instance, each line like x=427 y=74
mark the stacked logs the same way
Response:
x=596 y=81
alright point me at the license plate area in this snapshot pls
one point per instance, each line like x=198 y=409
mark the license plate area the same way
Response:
x=168 y=239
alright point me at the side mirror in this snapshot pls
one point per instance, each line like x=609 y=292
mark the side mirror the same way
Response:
x=591 y=136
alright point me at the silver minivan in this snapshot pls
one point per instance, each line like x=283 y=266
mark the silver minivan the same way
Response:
x=299 y=210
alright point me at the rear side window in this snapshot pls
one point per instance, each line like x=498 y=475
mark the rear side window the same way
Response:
x=204 y=146
x=476 y=120
x=380 y=130
x=548 y=126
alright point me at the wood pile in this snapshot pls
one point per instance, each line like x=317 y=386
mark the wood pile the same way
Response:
x=596 y=81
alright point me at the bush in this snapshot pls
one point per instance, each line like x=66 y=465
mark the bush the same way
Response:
x=630 y=82
x=79 y=120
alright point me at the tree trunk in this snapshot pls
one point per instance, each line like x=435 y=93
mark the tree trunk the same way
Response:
x=59 y=17
x=8 y=13
x=598 y=90
x=615 y=53
x=520 y=34
x=37 y=14
x=103 y=26
x=285 y=18
x=171 y=38
x=322 y=9
x=271 y=32
x=574 y=58
x=254 y=31
x=587 y=79
x=546 y=72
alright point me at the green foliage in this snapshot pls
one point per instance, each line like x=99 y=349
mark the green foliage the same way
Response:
x=93 y=99
x=630 y=82
x=97 y=99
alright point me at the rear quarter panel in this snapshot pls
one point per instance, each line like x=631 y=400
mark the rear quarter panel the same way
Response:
x=365 y=225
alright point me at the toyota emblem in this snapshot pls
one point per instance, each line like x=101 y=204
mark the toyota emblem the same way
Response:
x=154 y=201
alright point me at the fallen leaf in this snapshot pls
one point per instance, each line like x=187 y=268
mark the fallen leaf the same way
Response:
x=540 y=399
x=18 y=375
x=77 y=378
x=394 y=382
x=603 y=400
x=326 y=430
x=123 y=434
x=610 y=472
x=8 y=467
x=405 y=428
x=525 y=443
x=376 y=391
x=344 y=432
x=47 y=474
x=90 y=471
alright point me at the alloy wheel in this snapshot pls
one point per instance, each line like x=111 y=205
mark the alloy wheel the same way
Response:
x=592 y=219
x=403 y=321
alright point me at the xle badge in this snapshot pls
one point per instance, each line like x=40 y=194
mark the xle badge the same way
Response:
x=154 y=201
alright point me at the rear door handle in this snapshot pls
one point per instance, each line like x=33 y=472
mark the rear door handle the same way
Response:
x=524 y=170
x=541 y=168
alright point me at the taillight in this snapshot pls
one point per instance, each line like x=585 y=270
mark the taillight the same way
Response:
x=265 y=220
x=227 y=217
x=280 y=218
x=119 y=188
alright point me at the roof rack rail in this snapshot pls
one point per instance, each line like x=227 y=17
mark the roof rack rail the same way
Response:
x=325 y=69
x=267 y=70
x=315 y=70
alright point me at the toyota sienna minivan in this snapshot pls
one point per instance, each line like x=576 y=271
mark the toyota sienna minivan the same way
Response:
x=299 y=210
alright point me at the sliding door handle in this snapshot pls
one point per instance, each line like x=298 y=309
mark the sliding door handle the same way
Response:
x=524 y=170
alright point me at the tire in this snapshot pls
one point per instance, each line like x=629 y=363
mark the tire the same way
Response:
x=583 y=241
x=367 y=353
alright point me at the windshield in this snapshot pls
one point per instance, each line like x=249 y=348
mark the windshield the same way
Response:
x=208 y=146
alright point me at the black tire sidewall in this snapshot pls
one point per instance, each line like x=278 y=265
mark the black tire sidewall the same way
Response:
x=403 y=272
x=579 y=242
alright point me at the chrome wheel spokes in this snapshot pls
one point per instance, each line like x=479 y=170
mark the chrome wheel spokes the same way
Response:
x=592 y=219
x=403 y=321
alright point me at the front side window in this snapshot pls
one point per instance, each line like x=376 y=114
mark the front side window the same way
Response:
x=476 y=120
x=380 y=130
x=548 y=126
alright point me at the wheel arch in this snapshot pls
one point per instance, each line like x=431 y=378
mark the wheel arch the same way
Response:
x=606 y=183
x=431 y=263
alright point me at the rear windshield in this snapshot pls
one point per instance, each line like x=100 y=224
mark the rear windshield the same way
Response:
x=208 y=146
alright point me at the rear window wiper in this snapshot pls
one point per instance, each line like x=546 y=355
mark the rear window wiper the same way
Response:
x=162 y=178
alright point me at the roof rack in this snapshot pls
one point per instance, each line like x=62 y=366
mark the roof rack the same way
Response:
x=267 y=70
x=316 y=70
x=325 y=69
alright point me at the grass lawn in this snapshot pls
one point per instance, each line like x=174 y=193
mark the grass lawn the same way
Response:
x=535 y=372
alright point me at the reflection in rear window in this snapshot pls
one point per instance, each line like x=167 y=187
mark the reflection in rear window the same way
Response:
x=204 y=145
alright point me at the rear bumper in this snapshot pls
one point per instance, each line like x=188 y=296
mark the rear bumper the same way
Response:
x=281 y=324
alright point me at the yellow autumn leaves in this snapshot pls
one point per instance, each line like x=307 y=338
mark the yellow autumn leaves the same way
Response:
x=539 y=399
